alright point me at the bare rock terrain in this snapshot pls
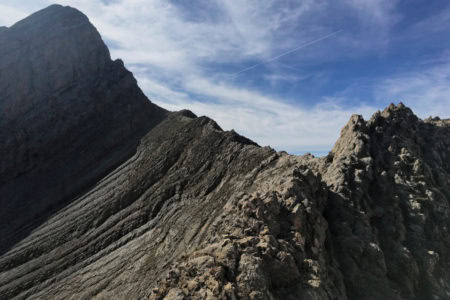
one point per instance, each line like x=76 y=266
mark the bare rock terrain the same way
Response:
x=104 y=195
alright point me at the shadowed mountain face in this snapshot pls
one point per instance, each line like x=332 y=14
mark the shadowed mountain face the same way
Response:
x=105 y=195
x=68 y=115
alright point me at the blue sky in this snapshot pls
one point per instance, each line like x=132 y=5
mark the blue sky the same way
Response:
x=360 y=55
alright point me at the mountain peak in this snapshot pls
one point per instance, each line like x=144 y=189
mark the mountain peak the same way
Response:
x=399 y=110
x=69 y=107
x=355 y=133
x=46 y=52
x=53 y=15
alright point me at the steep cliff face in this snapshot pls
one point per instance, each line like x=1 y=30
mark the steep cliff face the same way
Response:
x=68 y=115
x=138 y=203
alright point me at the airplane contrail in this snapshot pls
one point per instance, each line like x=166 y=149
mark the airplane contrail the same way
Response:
x=288 y=52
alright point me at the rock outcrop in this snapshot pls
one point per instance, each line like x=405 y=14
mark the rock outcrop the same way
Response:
x=138 y=203
x=388 y=206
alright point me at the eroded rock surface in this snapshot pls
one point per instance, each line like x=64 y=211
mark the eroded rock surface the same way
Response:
x=169 y=206
x=389 y=205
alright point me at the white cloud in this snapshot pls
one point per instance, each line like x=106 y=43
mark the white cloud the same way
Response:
x=375 y=13
x=10 y=14
x=267 y=120
x=436 y=23
x=426 y=91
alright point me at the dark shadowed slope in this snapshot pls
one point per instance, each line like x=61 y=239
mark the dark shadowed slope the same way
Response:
x=196 y=212
x=68 y=115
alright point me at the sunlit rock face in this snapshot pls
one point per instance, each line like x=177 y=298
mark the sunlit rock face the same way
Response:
x=105 y=195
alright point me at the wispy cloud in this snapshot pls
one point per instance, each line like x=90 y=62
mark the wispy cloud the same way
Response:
x=426 y=91
x=287 y=52
x=436 y=23
x=266 y=119
x=10 y=15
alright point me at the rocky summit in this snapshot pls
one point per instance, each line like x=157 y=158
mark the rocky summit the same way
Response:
x=105 y=195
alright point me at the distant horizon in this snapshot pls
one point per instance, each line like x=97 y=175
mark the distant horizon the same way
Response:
x=283 y=74
x=317 y=153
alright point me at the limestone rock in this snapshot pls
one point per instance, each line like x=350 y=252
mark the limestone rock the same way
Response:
x=390 y=208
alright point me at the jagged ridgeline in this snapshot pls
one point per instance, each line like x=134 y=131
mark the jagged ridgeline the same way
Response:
x=105 y=195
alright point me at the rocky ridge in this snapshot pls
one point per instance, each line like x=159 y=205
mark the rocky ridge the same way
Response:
x=378 y=229
x=180 y=209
